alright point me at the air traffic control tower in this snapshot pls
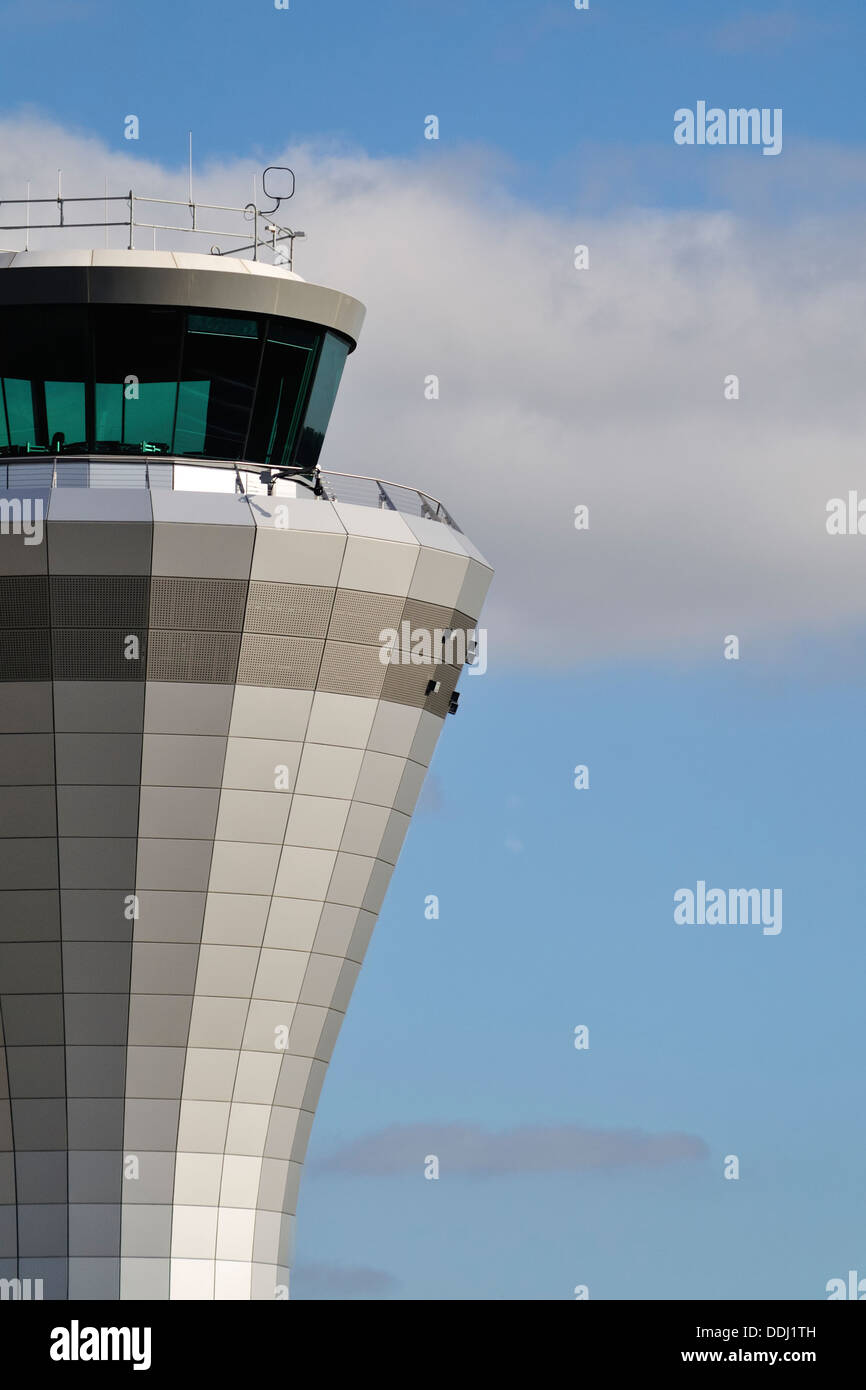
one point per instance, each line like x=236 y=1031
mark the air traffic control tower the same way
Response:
x=207 y=769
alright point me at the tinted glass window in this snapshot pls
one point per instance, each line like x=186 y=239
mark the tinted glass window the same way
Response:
x=136 y=355
x=327 y=380
x=126 y=379
x=217 y=381
x=43 y=360
x=286 y=370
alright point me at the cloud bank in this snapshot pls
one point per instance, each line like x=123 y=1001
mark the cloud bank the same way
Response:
x=329 y=1281
x=473 y=1151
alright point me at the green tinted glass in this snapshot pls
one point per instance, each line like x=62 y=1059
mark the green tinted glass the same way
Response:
x=109 y=410
x=139 y=379
x=64 y=409
x=148 y=415
x=192 y=404
x=223 y=327
x=19 y=409
x=329 y=370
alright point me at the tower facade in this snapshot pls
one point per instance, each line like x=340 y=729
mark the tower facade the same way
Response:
x=208 y=763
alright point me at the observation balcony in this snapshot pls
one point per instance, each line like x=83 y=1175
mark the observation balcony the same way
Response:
x=27 y=473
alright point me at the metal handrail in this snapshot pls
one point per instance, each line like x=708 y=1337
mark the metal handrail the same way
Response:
x=431 y=507
x=275 y=234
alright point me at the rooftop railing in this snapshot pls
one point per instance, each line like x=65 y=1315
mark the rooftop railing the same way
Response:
x=130 y=211
x=359 y=489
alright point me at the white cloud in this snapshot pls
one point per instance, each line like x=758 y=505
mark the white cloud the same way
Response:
x=560 y=387
x=767 y=31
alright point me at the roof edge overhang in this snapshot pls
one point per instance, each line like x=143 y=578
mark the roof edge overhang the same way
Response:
x=182 y=281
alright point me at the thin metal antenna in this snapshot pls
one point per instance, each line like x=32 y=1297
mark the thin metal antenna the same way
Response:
x=27 y=231
x=190 y=168
x=59 y=184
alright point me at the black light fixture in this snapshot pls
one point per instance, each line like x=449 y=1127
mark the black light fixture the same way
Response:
x=453 y=702
x=307 y=477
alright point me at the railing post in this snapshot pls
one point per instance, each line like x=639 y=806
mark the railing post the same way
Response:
x=131 y=221
x=385 y=503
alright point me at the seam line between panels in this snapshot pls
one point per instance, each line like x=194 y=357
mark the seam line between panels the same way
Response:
x=11 y=1135
x=132 y=932
x=234 y=686
x=59 y=878
x=270 y=898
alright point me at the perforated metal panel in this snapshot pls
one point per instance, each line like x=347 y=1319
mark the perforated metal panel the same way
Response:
x=289 y=610
x=447 y=677
x=25 y=656
x=290 y=663
x=360 y=617
x=428 y=616
x=208 y=657
x=407 y=685
x=85 y=654
x=108 y=601
x=209 y=605
x=462 y=620
x=23 y=601
x=350 y=669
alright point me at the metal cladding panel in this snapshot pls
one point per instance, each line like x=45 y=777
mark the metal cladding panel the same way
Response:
x=207 y=282
x=197 y=829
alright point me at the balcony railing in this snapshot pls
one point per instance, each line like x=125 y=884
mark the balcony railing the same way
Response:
x=188 y=475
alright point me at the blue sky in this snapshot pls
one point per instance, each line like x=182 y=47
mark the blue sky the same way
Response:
x=557 y=905
x=539 y=84
x=749 y=1041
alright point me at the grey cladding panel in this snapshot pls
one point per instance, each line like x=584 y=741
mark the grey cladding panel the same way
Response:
x=23 y=601
x=349 y=669
x=99 y=601
x=211 y=605
x=87 y=654
x=205 y=657
x=288 y=663
x=25 y=656
x=94 y=547
x=360 y=617
x=289 y=610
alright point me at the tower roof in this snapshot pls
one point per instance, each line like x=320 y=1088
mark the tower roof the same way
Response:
x=182 y=278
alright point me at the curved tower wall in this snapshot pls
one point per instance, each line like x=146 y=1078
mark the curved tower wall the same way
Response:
x=197 y=830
